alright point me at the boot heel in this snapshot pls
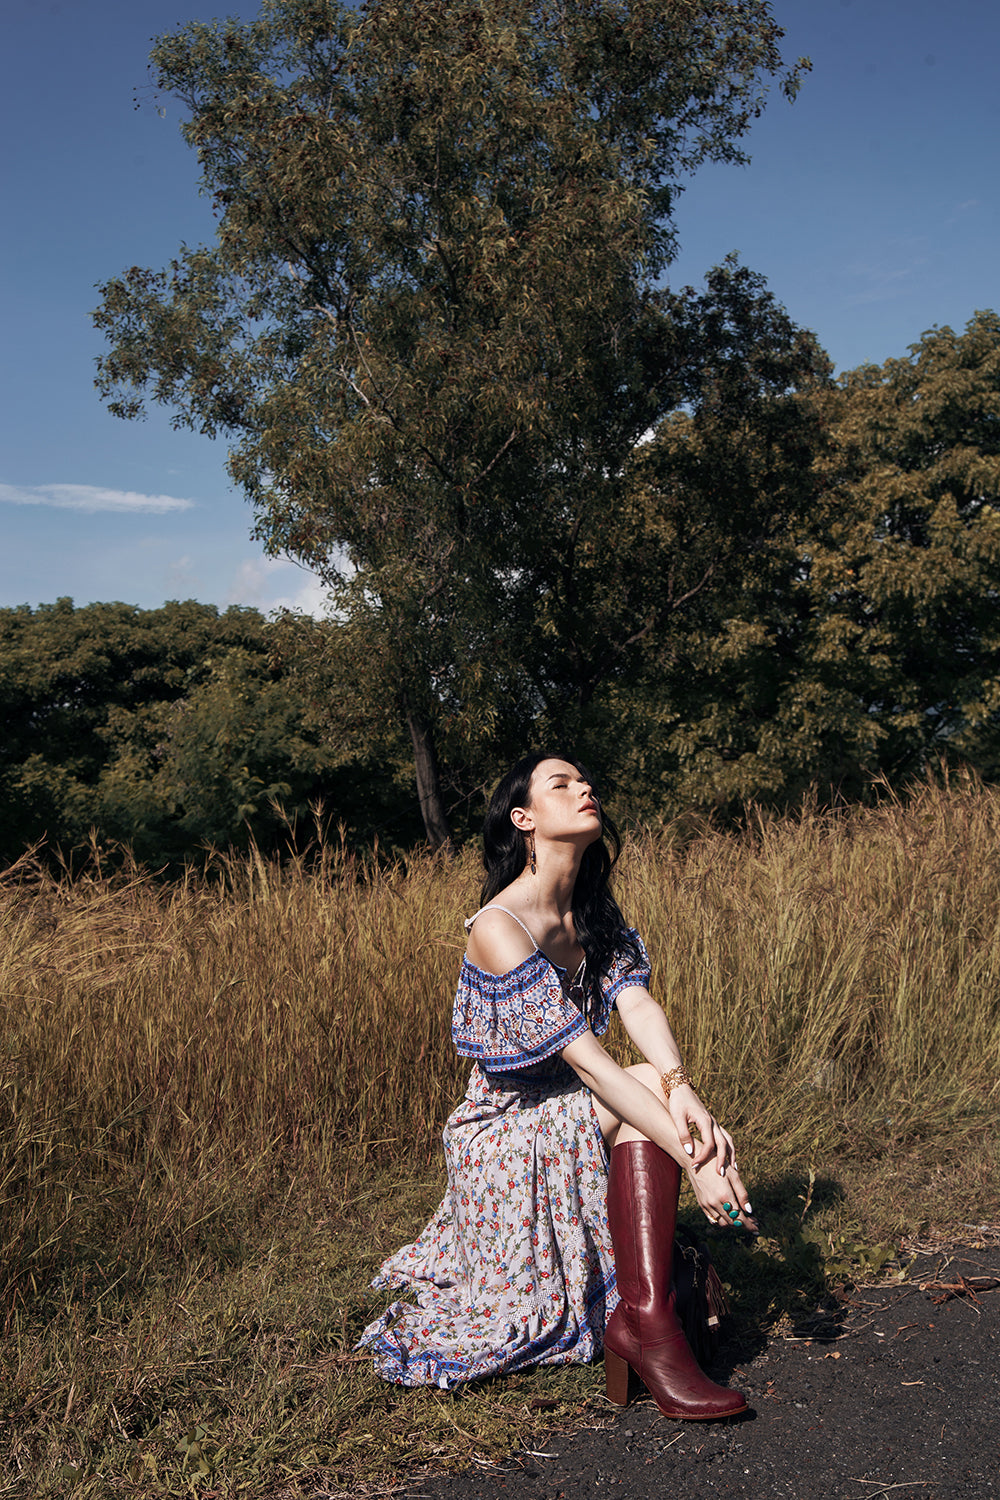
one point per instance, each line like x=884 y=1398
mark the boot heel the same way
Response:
x=619 y=1380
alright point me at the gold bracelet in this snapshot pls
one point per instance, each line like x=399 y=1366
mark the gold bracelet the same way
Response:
x=673 y=1080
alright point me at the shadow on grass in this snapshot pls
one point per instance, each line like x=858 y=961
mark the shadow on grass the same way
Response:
x=778 y=1283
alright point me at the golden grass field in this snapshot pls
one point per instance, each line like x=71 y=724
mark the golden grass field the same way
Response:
x=221 y=1100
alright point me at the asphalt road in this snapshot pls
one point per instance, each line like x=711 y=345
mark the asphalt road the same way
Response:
x=902 y=1400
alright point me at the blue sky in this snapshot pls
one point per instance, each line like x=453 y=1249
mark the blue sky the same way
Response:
x=871 y=205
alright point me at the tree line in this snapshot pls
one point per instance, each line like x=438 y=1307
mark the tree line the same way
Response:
x=555 y=499
x=175 y=729
x=805 y=598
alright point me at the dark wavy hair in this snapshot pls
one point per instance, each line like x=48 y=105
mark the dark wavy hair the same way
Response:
x=600 y=926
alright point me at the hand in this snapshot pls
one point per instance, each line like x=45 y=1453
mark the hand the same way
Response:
x=722 y=1197
x=687 y=1112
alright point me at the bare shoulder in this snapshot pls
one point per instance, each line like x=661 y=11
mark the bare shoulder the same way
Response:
x=498 y=943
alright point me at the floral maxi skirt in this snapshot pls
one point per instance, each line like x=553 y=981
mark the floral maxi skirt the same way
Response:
x=516 y=1266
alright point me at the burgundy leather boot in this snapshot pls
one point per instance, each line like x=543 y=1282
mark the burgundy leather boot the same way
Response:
x=643 y=1333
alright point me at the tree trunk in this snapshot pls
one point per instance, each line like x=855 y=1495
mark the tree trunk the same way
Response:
x=428 y=779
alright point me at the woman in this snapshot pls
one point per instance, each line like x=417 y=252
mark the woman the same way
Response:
x=555 y=1236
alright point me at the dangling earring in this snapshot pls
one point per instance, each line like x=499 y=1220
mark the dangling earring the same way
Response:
x=531 y=852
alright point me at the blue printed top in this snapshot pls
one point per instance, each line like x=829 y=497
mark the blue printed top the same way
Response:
x=508 y=1022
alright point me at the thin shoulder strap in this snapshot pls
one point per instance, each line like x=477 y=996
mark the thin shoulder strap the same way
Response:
x=469 y=920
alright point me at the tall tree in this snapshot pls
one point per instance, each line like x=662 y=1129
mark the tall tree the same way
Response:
x=428 y=325
x=675 y=540
x=715 y=510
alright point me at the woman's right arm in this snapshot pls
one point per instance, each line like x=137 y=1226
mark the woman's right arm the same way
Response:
x=624 y=1095
x=632 y=1102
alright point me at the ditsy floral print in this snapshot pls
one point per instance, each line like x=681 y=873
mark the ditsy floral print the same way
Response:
x=516 y=1266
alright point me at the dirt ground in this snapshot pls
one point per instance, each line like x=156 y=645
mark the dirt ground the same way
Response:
x=898 y=1396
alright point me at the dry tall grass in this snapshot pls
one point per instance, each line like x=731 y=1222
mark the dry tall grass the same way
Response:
x=174 y=1059
x=831 y=973
x=162 y=1046
x=160 y=1043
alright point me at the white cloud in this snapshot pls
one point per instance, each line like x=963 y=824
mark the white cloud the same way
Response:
x=962 y=210
x=91 y=497
x=277 y=583
x=183 y=580
x=884 y=282
x=312 y=599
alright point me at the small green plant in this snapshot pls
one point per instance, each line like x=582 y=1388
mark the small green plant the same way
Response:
x=852 y=1260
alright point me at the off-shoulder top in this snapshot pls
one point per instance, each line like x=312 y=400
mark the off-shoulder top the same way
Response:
x=507 y=1022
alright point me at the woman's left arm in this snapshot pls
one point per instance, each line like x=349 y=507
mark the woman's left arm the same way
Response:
x=649 y=1029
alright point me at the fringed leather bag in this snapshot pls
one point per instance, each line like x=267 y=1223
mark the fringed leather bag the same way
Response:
x=701 y=1298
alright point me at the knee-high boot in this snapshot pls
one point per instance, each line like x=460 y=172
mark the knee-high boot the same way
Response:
x=643 y=1333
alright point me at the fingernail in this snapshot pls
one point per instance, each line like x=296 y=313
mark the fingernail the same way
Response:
x=748 y=1208
x=722 y=1171
x=689 y=1148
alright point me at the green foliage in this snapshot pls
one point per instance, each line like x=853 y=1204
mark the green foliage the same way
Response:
x=724 y=490
x=904 y=579
x=847 y=629
x=208 y=767
x=851 y=1259
x=65 y=671
x=172 y=728
x=433 y=328
x=790 y=584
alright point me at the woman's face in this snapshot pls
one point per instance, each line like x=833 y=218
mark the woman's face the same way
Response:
x=562 y=804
